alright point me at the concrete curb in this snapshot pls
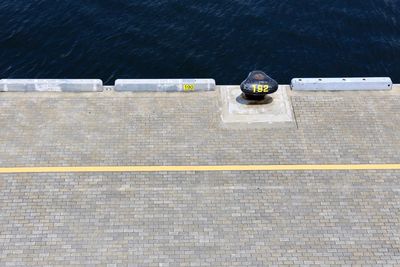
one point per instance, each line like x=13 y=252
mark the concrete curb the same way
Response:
x=342 y=84
x=164 y=85
x=51 y=85
x=182 y=85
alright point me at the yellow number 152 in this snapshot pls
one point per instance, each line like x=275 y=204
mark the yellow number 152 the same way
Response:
x=260 y=88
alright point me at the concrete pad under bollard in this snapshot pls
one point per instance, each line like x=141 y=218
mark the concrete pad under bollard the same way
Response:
x=275 y=111
x=51 y=85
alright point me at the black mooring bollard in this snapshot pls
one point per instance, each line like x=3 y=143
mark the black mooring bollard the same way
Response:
x=257 y=85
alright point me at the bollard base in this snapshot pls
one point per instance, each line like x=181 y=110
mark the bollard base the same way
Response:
x=243 y=99
x=253 y=97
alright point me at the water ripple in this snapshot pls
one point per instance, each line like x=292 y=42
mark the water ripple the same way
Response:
x=219 y=39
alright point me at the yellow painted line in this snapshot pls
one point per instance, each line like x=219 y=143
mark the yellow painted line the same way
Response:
x=294 y=167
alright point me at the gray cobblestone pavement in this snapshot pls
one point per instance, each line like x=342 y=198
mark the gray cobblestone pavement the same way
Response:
x=256 y=218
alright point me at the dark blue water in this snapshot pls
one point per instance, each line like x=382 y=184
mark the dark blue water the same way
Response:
x=223 y=39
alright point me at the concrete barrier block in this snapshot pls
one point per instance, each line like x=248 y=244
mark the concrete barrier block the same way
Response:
x=164 y=85
x=341 y=84
x=51 y=85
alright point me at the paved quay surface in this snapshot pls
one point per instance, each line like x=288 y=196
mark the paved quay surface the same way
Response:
x=197 y=218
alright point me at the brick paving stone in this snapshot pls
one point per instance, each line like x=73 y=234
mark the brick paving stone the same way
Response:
x=258 y=218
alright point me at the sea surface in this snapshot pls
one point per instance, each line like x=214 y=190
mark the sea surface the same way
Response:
x=221 y=39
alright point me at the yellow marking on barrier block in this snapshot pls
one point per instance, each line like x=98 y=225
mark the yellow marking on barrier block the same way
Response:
x=203 y=168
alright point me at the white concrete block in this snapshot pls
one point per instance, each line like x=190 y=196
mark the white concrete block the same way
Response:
x=341 y=84
x=51 y=85
x=164 y=85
